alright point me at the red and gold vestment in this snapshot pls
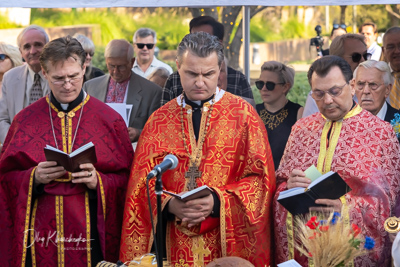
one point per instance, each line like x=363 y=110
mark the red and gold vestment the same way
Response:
x=236 y=163
x=54 y=226
x=365 y=152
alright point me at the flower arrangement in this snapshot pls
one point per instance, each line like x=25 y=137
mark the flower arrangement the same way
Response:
x=396 y=124
x=331 y=243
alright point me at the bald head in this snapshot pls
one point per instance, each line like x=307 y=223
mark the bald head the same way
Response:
x=119 y=48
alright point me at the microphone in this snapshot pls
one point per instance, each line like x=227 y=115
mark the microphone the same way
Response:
x=170 y=162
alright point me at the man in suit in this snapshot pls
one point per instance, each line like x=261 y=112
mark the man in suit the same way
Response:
x=25 y=84
x=122 y=85
x=373 y=82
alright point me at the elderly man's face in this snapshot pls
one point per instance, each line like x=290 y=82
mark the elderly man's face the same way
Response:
x=370 y=89
x=119 y=68
x=145 y=54
x=32 y=43
x=333 y=107
x=391 y=50
x=65 y=79
x=199 y=75
x=352 y=47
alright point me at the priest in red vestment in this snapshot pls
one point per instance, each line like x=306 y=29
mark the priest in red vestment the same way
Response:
x=220 y=138
x=51 y=217
x=348 y=140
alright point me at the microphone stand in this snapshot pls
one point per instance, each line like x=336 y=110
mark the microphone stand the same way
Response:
x=159 y=236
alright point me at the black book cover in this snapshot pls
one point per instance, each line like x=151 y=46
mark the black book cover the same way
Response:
x=299 y=200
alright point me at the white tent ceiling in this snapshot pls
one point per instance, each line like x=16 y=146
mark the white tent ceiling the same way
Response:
x=178 y=3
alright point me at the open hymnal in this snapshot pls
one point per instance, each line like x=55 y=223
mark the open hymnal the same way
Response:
x=71 y=162
x=289 y=263
x=198 y=192
x=298 y=200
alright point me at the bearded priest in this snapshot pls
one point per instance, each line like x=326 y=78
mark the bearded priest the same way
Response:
x=220 y=142
x=51 y=217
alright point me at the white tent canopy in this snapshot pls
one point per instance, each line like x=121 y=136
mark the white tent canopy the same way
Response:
x=178 y=3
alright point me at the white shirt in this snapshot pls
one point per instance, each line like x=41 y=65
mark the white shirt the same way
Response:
x=396 y=251
x=382 y=113
x=155 y=64
x=375 y=50
x=29 y=82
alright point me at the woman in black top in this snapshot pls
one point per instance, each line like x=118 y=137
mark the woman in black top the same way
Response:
x=277 y=112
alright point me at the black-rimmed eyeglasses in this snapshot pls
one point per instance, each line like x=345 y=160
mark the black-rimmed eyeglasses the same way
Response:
x=337 y=26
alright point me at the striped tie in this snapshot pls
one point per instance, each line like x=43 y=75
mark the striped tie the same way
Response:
x=36 y=90
x=395 y=93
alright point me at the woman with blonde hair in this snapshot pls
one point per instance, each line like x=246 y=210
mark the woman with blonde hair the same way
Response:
x=10 y=57
x=277 y=112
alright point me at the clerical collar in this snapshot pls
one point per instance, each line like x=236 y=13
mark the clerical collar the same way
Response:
x=69 y=106
x=197 y=103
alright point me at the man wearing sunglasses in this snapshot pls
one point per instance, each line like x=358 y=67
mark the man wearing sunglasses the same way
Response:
x=344 y=138
x=122 y=85
x=25 y=84
x=370 y=32
x=144 y=44
x=353 y=49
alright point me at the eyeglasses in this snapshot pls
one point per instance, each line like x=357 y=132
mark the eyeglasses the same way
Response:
x=269 y=85
x=333 y=92
x=119 y=68
x=337 y=26
x=73 y=81
x=3 y=57
x=356 y=57
x=90 y=53
x=373 y=86
x=141 y=46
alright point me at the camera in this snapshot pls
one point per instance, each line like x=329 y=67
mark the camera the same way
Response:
x=318 y=41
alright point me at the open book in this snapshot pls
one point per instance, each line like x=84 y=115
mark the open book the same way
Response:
x=198 y=192
x=71 y=162
x=298 y=200
x=289 y=263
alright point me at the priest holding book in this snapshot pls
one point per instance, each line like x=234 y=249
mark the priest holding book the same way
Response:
x=219 y=141
x=49 y=216
x=355 y=144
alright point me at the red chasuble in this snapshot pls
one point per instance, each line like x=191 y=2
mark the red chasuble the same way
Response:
x=365 y=152
x=55 y=225
x=236 y=163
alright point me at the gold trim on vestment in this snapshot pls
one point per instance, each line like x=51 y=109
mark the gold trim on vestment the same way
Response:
x=103 y=195
x=60 y=230
x=199 y=250
x=290 y=235
x=88 y=244
x=32 y=230
x=222 y=222
x=27 y=217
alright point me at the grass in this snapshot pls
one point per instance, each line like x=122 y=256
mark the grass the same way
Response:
x=298 y=93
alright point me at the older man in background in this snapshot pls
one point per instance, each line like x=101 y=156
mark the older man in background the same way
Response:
x=346 y=139
x=372 y=83
x=391 y=52
x=144 y=43
x=25 y=84
x=122 y=85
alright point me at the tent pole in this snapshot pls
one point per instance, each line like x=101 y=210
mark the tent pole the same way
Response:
x=246 y=41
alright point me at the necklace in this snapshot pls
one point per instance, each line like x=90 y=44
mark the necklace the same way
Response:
x=195 y=158
x=271 y=120
x=70 y=114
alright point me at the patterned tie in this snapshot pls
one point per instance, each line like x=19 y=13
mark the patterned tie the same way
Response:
x=36 y=90
x=395 y=93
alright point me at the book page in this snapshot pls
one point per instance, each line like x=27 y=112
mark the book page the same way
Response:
x=121 y=109
x=312 y=173
x=55 y=149
x=82 y=148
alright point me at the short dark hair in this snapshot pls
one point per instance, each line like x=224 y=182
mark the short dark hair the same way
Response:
x=323 y=65
x=61 y=49
x=368 y=24
x=218 y=28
